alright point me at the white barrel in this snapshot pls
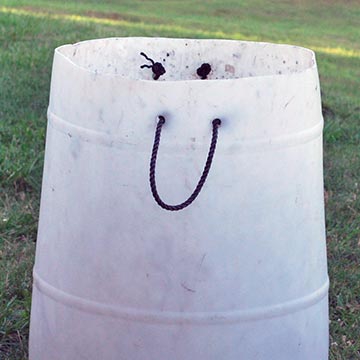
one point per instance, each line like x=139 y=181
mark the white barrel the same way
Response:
x=241 y=272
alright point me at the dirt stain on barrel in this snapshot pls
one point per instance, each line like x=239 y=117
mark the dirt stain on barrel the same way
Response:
x=187 y=288
x=230 y=69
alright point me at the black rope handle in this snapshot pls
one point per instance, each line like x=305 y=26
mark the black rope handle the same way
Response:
x=215 y=123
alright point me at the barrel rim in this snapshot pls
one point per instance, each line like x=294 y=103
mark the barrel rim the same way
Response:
x=312 y=67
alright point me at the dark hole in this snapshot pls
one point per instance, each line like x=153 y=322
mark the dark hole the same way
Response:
x=204 y=70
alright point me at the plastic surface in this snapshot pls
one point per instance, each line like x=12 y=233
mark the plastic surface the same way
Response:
x=239 y=274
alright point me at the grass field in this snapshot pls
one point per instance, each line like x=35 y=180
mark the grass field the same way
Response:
x=30 y=30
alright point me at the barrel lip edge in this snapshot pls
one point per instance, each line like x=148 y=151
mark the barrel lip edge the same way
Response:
x=308 y=69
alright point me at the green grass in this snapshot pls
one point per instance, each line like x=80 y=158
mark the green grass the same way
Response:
x=30 y=30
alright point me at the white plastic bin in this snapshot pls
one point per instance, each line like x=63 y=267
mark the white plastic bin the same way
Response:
x=240 y=273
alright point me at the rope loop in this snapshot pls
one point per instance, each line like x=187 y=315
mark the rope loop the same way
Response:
x=161 y=121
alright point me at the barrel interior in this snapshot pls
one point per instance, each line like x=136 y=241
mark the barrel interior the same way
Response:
x=182 y=58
